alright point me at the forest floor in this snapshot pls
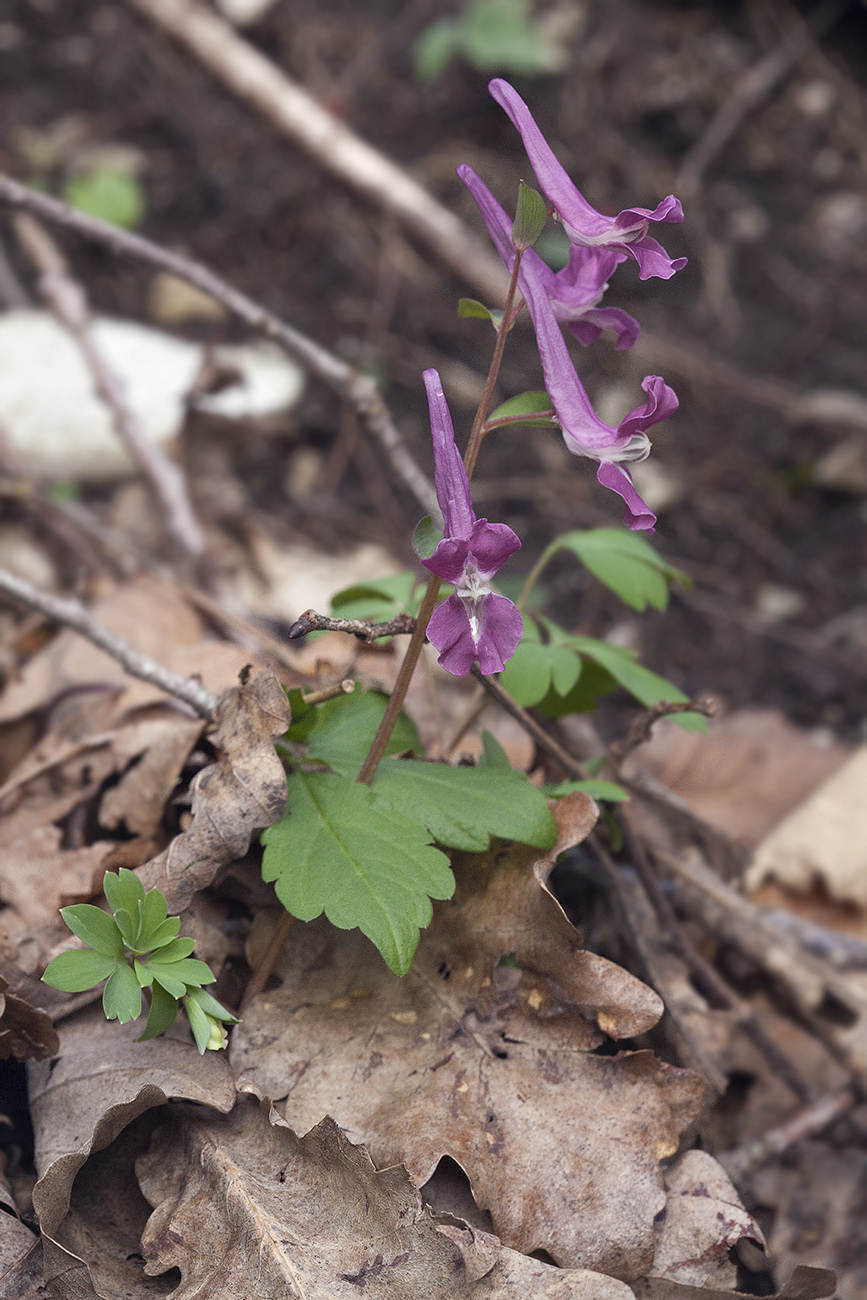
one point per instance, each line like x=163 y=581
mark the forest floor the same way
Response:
x=759 y=480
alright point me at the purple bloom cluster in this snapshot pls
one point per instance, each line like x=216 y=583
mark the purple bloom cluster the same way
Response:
x=476 y=623
x=571 y=297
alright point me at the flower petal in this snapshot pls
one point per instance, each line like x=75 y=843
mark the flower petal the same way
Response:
x=450 y=476
x=449 y=560
x=449 y=632
x=491 y=545
x=502 y=628
x=626 y=233
x=637 y=514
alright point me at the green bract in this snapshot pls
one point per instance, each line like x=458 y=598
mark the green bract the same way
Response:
x=134 y=948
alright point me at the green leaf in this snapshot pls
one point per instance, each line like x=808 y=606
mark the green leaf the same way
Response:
x=426 y=538
x=538 y=666
x=493 y=755
x=79 y=969
x=378 y=599
x=530 y=217
x=212 y=1007
x=646 y=686
x=593 y=683
x=163 y=1010
x=625 y=562
x=529 y=404
x=303 y=716
x=341 y=851
x=162 y=935
x=595 y=789
x=153 y=913
x=172 y=952
x=199 y=1023
x=124 y=891
x=95 y=928
x=471 y=309
x=434 y=49
x=121 y=997
x=192 y=971
x=110 y=193
x=462 y=807
x=345 y=727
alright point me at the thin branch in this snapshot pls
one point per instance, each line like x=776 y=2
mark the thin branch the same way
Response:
x=310 y=621
x=741 y=1161
x=71 y=614
x=258 y=81
x=530 y=725
x=360 y=390
x=640 y=730
x=68 y=301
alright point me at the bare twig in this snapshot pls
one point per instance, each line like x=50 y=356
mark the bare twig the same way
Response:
x=71 y=614
x=750 y=89
x=640 y=730
x=741 y=1161
x=310 y=621
x=68 y=301
x=254 y=78
x=346 y=687
x=360 y=390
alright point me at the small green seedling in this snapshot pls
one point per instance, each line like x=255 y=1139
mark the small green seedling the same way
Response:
x=136 y=947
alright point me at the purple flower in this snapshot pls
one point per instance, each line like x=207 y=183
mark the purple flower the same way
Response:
x=475 y=622
x=574 y=291
x=584 y=433
x=626 y=233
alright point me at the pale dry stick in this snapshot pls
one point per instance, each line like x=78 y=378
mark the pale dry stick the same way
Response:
x=346 y=687
x=68 y=302
x=750 y=89
x=360 y=390
x=296 y=114
x=742 y=1161
x=71 y=614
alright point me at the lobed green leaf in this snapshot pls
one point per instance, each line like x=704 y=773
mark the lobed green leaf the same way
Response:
x=625 y=562
x=345 y=727
x=95 y=928
x=79 y=969
x=162 y=1013
x=121 y=997
x=341 y=851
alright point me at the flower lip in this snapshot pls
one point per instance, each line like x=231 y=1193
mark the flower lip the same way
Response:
x=626 y=233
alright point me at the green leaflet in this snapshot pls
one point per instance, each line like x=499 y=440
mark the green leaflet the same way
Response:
x=95 y=928
x=625 y=562
x=340 y=851
x=594 y=788
x=463 y=807
x=344 y=729
x=79 y=969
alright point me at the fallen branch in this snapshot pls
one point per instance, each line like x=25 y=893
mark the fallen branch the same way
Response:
x=741 y=1161
x=71 y=614
x=360 y=390
x=640 y=730
x=68 y=302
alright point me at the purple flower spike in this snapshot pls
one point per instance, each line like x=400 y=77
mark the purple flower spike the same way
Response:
x=626 y=233
x=475 y=622
x=574 y=291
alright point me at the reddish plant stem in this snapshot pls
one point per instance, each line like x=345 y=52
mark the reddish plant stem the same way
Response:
x=478 y=430
x=398 y=695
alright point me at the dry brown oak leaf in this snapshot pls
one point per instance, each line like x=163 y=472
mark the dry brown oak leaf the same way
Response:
x=25 y=1031
x=242 y=793
x=244 y=1207
x=491 y=1065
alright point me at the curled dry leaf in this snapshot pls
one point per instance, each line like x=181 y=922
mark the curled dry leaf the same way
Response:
x=25 y=1031
x=101 y=1081
x=242 y=793
x=245 y=1207
x=490 y=1065
x=704 y=1219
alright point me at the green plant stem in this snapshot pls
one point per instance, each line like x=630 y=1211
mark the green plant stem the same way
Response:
x=401 y=686
x=535 y=573
x=478 y=429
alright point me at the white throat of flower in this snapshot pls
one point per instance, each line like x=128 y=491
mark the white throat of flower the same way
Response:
x=473 y=590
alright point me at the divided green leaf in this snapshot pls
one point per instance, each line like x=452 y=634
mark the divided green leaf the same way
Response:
x=79 y=969
x=95 y=928
x=378 y=599
x=625 y=562
x=344 y=728
x=462 y=807
x=341 y=851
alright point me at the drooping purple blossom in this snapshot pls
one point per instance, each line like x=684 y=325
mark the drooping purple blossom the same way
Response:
x=627 y=233
x=475 y=622
x=575 y=291
x=584 y=433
